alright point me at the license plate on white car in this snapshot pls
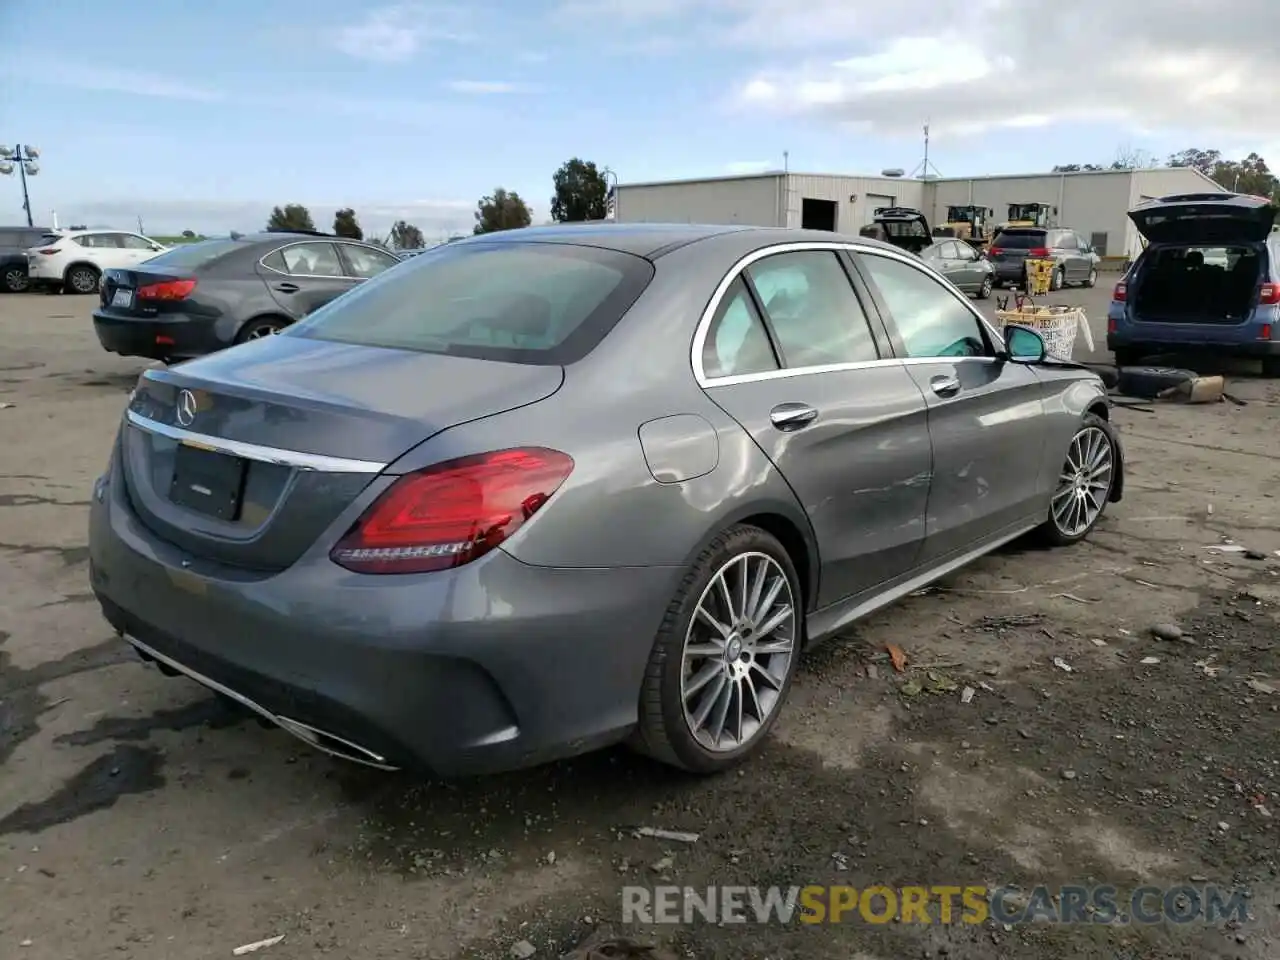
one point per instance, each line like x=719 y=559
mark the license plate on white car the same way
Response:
x=122 y=298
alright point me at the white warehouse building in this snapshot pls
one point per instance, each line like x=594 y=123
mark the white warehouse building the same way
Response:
x=1093 y=203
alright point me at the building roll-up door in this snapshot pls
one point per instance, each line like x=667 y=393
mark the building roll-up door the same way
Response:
x=875 y=200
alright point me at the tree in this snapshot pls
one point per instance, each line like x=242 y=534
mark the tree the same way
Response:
x=581 y=193
x=189 y=234
x=1250 y=175
x=292 y=216
x=405 y=236
x=501 y=210
x=1075 y=167
x=1133 y=158
x=1202 y=160
x=345 y=224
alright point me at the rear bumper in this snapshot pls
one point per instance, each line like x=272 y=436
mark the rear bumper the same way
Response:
x=495 y=666
x=1009 y=272
x=174 y=336
x=1166 y=344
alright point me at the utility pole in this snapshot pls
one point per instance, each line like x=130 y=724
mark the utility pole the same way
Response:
x=23 y=157
x=922 y=171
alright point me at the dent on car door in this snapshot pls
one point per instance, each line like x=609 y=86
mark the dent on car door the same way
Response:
x=986 y=416
x=792 y=356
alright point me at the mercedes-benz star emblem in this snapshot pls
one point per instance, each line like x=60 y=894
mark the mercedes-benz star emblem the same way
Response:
x=186 y=410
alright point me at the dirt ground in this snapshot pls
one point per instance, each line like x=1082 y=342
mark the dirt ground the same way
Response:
x=139 y=819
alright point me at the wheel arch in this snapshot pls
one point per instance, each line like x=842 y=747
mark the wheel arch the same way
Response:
x=66 y=271
x=789 y=527
x=284 y=318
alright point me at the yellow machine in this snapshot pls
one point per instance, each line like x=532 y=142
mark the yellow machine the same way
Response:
x=969 y=223
x=1030 y=215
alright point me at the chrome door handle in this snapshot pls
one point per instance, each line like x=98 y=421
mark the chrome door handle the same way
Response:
x=792 y=416
x=945 y=386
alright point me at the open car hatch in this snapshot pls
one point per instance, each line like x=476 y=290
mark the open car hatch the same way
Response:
x=1205 y=218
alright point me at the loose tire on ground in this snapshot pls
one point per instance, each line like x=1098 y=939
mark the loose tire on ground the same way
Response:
x=663 y=731
x=1149 y=382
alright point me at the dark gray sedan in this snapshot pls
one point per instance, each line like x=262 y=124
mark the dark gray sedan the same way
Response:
x=200 y=297
x=548 y=489
x=962 y=265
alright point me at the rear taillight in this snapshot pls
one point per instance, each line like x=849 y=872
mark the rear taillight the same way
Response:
x=1038 y=253
x=452 y=513
x=48 y=251
x=1121 y=292
x=168 y=290
x=1269 y=293
x=994 y=252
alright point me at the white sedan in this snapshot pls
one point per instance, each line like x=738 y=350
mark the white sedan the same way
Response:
x=73 y=260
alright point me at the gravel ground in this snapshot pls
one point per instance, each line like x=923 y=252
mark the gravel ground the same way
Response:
x=138 y=818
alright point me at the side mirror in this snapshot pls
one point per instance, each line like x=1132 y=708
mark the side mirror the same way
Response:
x=1024 y=345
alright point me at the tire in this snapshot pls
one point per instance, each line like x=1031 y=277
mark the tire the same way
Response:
x=984 y=291
x=1059 y=280
x=666 y=729
x=1149 y=382
x=1056 y=531
x=82 y=279
x=260 y=327
x=1093 y=278
x=14 y=280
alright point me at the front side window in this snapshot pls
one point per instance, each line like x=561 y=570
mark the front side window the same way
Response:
x=737 y=342
x=812 y=308
x=543 y=303
x=312 y=260
x=933 y=321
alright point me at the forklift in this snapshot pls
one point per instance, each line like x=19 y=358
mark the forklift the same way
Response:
x=1031 y=215
x=969 y=223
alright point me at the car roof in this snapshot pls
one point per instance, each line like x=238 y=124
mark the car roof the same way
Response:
x=654 y=240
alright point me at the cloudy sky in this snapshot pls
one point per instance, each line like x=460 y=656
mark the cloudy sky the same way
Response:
x=203 y=116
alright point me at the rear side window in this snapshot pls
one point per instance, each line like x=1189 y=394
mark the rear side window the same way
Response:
x=189 y=256
x=737 y=342
x=98 y=241
x=541 y=303
x=1019 y=239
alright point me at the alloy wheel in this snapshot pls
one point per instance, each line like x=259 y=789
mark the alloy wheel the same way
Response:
x=737 y=652
x=83 y=281
x=15 y=280
x=262 y=330
x=1084 y=484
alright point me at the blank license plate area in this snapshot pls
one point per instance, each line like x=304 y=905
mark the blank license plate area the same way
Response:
x=207 y=482
x=122 y=298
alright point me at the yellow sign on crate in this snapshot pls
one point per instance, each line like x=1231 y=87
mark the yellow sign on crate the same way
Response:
x=1039 y=277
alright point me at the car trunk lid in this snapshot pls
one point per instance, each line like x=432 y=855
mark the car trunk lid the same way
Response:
x=145 y=292
x=1205 y=218
x=248 y=455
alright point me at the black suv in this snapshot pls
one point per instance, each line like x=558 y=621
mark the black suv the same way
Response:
x=1074 y=258
x=14 y=244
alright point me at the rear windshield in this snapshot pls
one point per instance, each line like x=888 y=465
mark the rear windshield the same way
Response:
x=904 y=228
x=188 y=256
x=542 y=303
x=1020 y=239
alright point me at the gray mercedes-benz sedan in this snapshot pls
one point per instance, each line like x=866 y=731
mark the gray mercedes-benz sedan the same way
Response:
x=540 y=491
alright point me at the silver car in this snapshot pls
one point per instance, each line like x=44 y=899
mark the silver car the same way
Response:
x=544 y=490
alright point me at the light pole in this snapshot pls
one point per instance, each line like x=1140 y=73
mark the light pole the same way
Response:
x=24 y=159
x=617 y=200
